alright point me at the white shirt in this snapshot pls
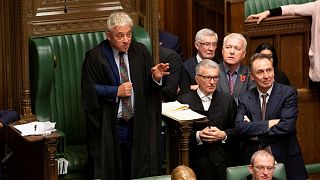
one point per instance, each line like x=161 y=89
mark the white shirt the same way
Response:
x=268 y=95
x=206 y=101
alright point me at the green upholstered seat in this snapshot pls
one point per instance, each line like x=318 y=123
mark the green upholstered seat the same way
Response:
x=239 y=172
x=257 y=6
x=55 y=74
x=313 y=168
x=163 y=177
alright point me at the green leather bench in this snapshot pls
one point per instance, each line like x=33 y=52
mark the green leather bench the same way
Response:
x=257 y=6
x=55 y=73
x=163 y=177
x=313 y=168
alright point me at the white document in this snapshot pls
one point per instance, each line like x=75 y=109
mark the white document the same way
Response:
x=178 y=111
x=62 y=166
x=36 y=128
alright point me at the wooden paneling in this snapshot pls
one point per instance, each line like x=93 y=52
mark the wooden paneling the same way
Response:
x=185 y=17
x=308 y=124
x=291 y=38
x=10 y=55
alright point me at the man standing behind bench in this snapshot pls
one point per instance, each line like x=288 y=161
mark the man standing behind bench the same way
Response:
x=267 y=117
x=121 y=99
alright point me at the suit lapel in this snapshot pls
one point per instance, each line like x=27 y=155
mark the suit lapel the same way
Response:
x=197 y=106
x=240 y=81
x=254 y=105
x=194 y=64
x=223 y=82
x=111 y=61
x=273 y=101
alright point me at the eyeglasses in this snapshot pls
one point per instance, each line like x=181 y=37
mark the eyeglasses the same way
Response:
x=209 y=78
x=208 y=44
x=263 y=168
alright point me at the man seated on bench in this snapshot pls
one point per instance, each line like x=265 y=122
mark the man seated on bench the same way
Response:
x=261 y=166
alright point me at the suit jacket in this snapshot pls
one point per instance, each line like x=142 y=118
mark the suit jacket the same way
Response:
x=282 y=139
x=242 y=84
x=8 y=116
x=221 y=113
x=170 y=41
x=190 y=66
x=177 y=77
x=99 y=84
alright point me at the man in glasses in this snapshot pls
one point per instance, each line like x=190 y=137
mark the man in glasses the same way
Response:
x=261 y=166
x=234 y=76
x=206 y=44
x=213 y=146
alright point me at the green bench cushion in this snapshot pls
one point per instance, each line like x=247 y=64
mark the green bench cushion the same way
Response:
x=257 y=6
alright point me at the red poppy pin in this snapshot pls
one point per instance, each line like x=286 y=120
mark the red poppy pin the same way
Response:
x=242 y=77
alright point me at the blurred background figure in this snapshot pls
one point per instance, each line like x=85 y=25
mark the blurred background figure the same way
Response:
x=183 y=172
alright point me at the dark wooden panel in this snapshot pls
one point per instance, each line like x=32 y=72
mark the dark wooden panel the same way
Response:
x=308 y=124
x=185 y=17
x=292 y=57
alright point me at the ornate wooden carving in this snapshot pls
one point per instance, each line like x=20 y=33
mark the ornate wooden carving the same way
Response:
x=278 y=24
x=179 y=135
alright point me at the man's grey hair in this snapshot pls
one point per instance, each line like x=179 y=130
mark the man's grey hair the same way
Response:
x=118 y=19
x=261 y=153
x=235 y=36
x=206 y=63
x=203 y=33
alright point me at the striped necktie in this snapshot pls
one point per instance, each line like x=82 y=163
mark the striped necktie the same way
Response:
x=231 y=82
x=126 y=101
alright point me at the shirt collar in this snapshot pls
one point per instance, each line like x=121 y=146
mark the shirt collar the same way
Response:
x=116 y=52
x=268 y=92
x=203 y=96
x=198 y=58
x=226 y=69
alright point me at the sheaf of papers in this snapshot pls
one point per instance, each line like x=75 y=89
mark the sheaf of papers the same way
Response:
x=178 y=111
x=36 y=128
x=62 y=166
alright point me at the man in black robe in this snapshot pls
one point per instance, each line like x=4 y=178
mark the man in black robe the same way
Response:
x=120 y=147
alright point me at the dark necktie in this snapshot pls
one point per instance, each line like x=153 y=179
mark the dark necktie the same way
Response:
x=126 y=101
x=231 y=82
x=263 y=116
x=264 y=106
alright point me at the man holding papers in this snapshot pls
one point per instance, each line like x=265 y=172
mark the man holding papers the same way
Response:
x=214 y=146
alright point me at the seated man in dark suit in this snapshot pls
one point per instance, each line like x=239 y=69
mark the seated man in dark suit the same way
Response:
x=213 y=146
x=176 y=82
x=261 y=166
